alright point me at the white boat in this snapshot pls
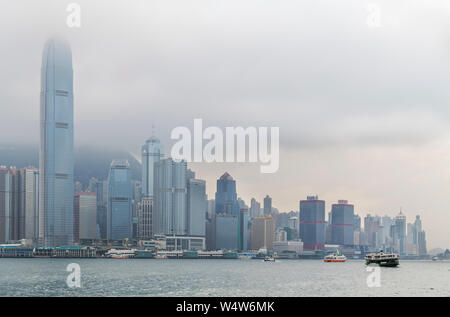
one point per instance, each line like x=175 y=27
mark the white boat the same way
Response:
x=335 y=257
x=269 y=259
x=120 y=253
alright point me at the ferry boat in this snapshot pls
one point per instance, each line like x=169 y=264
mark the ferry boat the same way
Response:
x=120 y=254
x=335 y=257
x=383 y=259
x=269 y=259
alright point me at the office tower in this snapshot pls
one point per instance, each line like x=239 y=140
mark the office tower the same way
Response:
x=85 y=216
x=422 y=243
x=56 y=186
x=28 y=203
x=243 y=229
x=255 y=208
x=400 y=232
x=100 y=188
x=417 y=229
x=387 y=222
x=312 y=223
x=137 y=194
x=9 y=204
x=226 y=197
x=151 y=152
x=342 y=223
x=211 y=206
x=170 y=197
x=356 y=223
x=263 y=232
x=196 y=207
x=371 y=224
x=145 y=216
x=119 y=210
x=267 y=205
x=227 y=232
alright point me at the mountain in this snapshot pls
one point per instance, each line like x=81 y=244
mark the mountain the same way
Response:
x=89 y=161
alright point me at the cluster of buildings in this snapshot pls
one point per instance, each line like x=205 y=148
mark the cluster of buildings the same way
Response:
x=168 y=205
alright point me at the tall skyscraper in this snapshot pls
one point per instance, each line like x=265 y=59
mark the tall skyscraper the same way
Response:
x=28 y=203
x=255 y=208
x=243 y=229
x=56 y=186
x=151 y=152
x=267 y=205
x=227 y=232
x=226 y=197
x=312 y=223
x=8 y=204
x=145 y=216
x=85 y=216
x=263 y=232
x=119 y=213
x=400 y=232
x=371 y=224
x=196 y=207
x=170 y=197
x=342 y=223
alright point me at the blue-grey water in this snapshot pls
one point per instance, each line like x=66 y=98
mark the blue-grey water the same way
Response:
x=139 y=277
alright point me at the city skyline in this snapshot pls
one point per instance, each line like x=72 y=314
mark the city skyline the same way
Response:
x=385 y=150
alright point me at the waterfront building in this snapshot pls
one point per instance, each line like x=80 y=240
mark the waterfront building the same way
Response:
x=243 y=229
x=263 y=232
x=400 y=232
x=422 y=243
x=28 y=203
x=145 y=216
x=119 y=211
x=371 y=224
x=196 y=207
x=85 y=216
x=151 y=152
x=342 y=223
x=227 y=232
x=56 y=187
x=312 y=223
x=9 y=204
x=170 y=216
x=295 y=247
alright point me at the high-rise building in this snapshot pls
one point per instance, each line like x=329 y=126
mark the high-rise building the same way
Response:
x=312 y=223
x=151 y=152
x=227 y=232
x=417 y=229
x=145 y=216
x=255 y=208
x=170 y=216
x=196 y=207
x=263 y=232
x=342 y=223
x=371 y=224
x=267 y=205
x=422 y=243
x=85 y=216
x=9 y=204
x=119 y=211
x=56 y=186
x=226 y=197
x=28 y=203
x=243 y=229
x=400 y=232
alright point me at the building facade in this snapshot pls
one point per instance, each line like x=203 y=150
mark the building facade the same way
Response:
x=312 y=223
x=151 y=152
x=342 y=223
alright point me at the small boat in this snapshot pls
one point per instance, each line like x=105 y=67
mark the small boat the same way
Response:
x=335 y=257
x=161 y=257
x=383 y=259
x=269 y=259
x=434 y=258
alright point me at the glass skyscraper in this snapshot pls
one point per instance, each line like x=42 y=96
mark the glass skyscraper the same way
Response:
x=151 y=152
x=312 y=223
x=56 y=145
x=226 y=197
x=119 y=211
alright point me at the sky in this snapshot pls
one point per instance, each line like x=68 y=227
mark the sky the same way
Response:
x=362 y=103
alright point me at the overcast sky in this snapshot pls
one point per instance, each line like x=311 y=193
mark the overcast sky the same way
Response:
x=363 y=111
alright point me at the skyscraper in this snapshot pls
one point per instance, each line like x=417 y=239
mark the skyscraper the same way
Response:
x=151 y=152
x=28 y=203
x=119 y=211
x=85 y=216
x=400 y=232
x=267 y=205
x=255 y=208
x=312 y=223
x=8 y=204
x=263 y=231
x=56 y=186
x=145 y=216
x=226 y=197
x=196 y=207
x=170 y=197
x=342 y=223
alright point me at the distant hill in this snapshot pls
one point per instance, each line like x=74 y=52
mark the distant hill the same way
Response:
x=89 y=161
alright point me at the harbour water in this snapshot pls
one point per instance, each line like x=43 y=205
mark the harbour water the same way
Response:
x=133 y=277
